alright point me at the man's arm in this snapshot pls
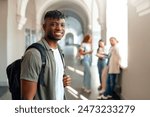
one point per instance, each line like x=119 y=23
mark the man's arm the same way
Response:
x=28 y=89
x=30 y=70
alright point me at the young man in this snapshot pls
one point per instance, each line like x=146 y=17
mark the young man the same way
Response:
x=54 y=80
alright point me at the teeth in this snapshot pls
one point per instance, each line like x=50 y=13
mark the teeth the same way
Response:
x=58 y=33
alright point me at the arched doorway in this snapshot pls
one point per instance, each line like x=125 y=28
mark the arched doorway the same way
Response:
x=69 y=39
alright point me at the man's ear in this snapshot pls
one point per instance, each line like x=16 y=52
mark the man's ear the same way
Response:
x=44 y=26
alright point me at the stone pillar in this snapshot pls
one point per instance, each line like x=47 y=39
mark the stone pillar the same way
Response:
x=102 y=18
x=3 y=41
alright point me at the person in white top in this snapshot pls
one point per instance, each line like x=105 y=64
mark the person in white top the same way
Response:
x=102 y=59
x=86 y=51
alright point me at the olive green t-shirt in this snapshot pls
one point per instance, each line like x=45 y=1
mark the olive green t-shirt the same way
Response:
x=31 y=67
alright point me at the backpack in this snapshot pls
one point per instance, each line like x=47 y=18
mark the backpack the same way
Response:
x=13 y=72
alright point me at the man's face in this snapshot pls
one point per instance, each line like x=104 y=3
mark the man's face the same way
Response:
x=54 y=29
x=113 y=42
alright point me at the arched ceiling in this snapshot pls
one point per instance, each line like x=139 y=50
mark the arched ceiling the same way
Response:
x=74 y=21
x=73 y=8
x=79 y=9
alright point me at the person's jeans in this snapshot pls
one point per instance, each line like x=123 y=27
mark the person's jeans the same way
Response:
x=87 y=72
x=110 y=84
x=101 y=64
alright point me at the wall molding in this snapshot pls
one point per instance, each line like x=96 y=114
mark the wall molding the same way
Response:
x=142 y=6
x=21 y=21
x=21 y=10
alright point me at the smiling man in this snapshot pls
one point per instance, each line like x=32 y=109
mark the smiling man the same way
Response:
x=51 y=85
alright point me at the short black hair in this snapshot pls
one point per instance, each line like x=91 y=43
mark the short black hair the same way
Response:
x=54 y=14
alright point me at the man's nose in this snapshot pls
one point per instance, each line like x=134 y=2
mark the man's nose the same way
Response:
x=58 y=27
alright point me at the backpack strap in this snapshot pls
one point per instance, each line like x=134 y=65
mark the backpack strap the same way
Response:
x=62 y=56
x=41 y=49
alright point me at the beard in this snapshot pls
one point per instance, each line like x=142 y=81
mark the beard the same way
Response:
x=51 y=37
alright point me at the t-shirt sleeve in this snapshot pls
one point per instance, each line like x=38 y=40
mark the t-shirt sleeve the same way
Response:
x=31 y=65
x=82 y=47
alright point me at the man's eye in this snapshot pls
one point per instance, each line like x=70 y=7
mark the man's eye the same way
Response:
x=57 y=24
x=52 y=24
x=62 y=25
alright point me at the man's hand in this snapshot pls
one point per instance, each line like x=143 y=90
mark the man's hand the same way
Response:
x=66 y=80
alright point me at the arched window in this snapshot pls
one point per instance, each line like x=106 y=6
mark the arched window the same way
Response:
x=117 y=26
x=69 y=39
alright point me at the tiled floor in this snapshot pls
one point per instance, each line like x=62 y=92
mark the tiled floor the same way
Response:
x=4 y=93
x=77 y=77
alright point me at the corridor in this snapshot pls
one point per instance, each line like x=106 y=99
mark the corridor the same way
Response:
x=75 y=70
x=127 y=20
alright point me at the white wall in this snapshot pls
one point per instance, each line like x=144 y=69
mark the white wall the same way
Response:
x=3 y=41
x=117 y=26
x=12 y=41
x=14 y=36
x=136 y=79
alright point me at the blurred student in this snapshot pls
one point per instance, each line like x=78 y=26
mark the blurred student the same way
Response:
x=113 y=69
x=86 y=51
x=102 y=60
